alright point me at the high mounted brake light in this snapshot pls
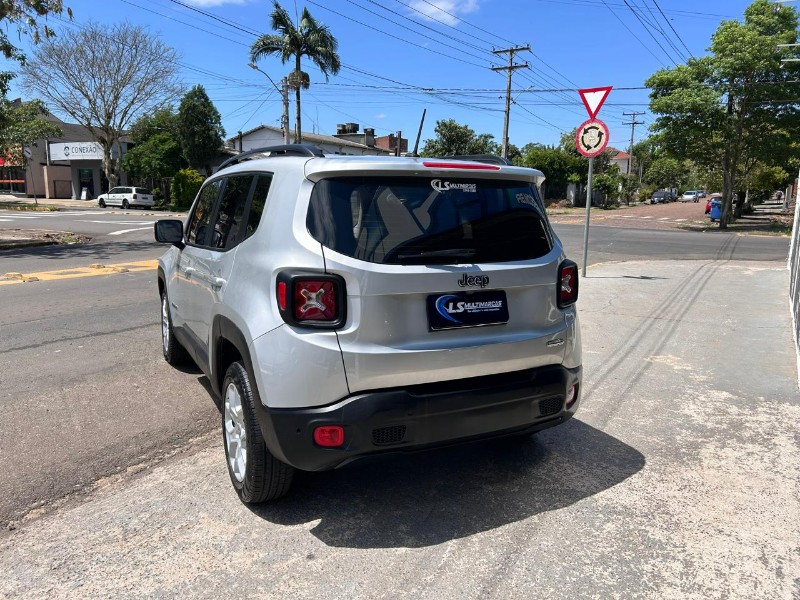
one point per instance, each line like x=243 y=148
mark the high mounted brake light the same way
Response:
x=307 y=299
x=460 y=165
x=567 y=285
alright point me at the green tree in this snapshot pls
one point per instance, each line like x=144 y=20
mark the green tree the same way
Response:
x=105 y=77
x=665 y=173
x=559 y=166
x=308 y=38
x=453 y=138
x=199 y=129
x=26 y=16
x=736 y=105
x=157 y=153
x=22 y=126
x=185 y=185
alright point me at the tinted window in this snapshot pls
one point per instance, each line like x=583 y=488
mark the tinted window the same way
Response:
x=115 y=190
x=197 y=229
x=427 y=221
x=228 y=229
x=142 y=191
x=257 y=205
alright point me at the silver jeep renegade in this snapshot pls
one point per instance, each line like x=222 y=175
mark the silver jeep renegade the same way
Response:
x=350 y=306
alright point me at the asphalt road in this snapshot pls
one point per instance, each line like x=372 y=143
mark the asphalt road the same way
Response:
x=86 y=395
x=677 y=479
x=80 y=363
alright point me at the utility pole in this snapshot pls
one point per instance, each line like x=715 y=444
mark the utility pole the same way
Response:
x=510 y=69
x=284 y=92
x=633 y=125
x=285 y=114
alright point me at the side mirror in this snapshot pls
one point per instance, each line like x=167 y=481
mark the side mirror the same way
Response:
x=170 y=231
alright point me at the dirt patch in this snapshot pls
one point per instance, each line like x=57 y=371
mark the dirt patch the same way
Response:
x=15 y=238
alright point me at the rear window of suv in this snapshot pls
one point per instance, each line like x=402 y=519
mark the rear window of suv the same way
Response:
x=415 y=220
x=144 y=191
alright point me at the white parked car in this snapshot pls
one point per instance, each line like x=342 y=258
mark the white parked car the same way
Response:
x=126 y=197
x=690 y=196
x=344 y=307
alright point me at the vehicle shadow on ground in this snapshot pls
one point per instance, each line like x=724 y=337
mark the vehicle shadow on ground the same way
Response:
x=93 y=251
x=428 y=498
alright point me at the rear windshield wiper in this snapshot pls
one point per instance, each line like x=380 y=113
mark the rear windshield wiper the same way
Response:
x=423 y=256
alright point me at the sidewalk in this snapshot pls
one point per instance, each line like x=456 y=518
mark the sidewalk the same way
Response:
x=42 y=202
x=677 y=479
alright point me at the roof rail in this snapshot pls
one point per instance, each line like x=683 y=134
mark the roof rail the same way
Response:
x=282 y=150
x=489 y=159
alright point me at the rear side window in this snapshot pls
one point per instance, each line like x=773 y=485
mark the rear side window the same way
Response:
x=415 y=220
x=197 y=228
x=228 y=228
x=257 y=204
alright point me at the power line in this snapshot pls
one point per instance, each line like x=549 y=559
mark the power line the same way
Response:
x=680 y=39
x=509 y=69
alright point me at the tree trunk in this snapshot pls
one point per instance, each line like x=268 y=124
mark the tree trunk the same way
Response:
x=298 y=135
x=109 y=164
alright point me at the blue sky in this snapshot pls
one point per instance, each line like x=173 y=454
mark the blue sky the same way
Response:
x=400 y=56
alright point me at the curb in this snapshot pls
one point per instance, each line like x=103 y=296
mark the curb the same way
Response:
x=12 y=244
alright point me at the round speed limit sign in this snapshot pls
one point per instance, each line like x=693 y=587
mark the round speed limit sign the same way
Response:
x=591 y=138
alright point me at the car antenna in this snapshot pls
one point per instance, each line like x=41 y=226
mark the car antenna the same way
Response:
x=419 y=134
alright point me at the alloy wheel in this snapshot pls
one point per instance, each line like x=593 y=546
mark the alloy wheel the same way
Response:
x=235 y=432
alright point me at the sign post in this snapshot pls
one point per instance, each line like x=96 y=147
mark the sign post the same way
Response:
x=28 y=155
x=591 y=139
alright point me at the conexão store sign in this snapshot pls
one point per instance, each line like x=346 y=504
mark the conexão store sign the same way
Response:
x=76 y=151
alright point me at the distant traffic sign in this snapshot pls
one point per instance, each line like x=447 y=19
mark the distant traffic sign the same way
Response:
x=593 y=99
x=591 y=138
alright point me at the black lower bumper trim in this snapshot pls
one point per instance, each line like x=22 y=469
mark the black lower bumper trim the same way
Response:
x=419 y=417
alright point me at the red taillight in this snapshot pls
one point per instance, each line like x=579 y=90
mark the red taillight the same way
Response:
x=329 y=436
x=567 y=284
x=460 y=165
x=308 y=299
x=314 y=300
x=282 y=295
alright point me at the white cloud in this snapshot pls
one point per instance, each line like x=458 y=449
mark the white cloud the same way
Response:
x=380 y=116
x=209 y=3
x=445 y=11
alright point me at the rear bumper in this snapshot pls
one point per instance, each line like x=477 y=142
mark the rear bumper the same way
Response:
x=423 y=416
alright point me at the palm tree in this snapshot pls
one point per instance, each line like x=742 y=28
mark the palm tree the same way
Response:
x=309 y=38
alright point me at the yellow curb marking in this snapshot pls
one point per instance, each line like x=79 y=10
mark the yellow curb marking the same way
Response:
x=78 y=272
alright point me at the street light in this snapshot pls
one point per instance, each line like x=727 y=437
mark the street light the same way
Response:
x=284 y=92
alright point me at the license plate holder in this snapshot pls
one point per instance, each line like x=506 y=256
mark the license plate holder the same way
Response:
x=456 y=310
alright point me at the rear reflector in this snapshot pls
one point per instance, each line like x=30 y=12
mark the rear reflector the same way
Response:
x=282 y=295
x=461 y=165
x=572 y=395
x=329 y=436
x=567 y=287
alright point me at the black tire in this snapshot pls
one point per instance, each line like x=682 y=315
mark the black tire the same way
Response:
x=102 y=203
x=174 y=353
x=125 y=205
x=265 y=478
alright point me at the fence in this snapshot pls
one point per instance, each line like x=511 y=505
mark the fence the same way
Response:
x=794 y=280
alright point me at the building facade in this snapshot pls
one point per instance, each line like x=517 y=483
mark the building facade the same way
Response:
x=265 y=135
x=69 y=166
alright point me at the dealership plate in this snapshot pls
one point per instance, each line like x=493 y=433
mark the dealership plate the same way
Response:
x=453 y=310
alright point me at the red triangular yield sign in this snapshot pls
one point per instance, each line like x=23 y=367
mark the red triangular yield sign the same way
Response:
x=593 y=99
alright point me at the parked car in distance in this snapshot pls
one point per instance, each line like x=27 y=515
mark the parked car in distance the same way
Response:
x=690 y=196
x=661 y=197
x=710 y=198
x=702 y=193
x=352 y=306
x=126 y=197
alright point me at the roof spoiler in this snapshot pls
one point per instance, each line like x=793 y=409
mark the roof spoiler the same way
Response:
x=489 y=159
